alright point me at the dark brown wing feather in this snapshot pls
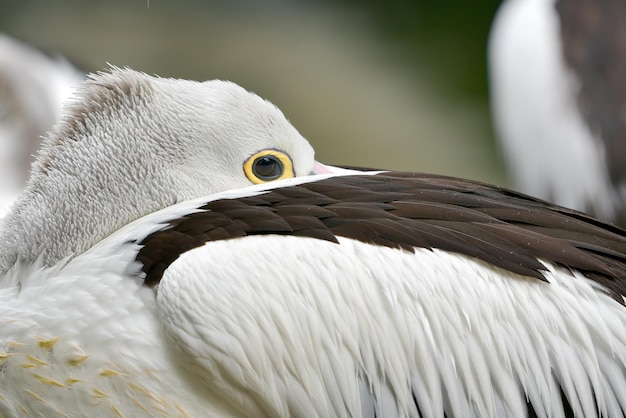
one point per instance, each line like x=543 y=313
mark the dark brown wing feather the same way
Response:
x=405 y=210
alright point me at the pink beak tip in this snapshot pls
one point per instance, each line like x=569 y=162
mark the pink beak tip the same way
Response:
x=319 y=168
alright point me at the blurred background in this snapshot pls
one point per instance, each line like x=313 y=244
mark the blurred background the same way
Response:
x=397 y=84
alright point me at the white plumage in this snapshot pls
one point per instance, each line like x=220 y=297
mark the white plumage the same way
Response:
x=33 y=87
x=299 y=315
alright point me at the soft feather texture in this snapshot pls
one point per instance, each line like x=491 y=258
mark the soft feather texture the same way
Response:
x=132 y=144
x=286 y=326
x=459 y=339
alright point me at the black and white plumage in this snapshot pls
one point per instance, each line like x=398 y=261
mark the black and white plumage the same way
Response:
x=558 y=90
x=142 y=274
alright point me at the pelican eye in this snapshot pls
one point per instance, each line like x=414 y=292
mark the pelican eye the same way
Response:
x=268 y=165
x=267 y=168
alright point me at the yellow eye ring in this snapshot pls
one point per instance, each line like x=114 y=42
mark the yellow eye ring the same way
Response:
x=268 y=165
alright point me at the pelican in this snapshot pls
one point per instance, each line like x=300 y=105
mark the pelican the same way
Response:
x=178 y=251
x=33 y=87
x=558 y=98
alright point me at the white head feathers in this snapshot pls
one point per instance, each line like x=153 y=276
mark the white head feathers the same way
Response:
x=131 y=144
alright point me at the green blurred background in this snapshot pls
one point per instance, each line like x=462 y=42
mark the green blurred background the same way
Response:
x=393 y=84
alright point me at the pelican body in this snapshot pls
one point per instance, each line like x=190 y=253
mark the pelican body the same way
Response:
x=179 y=252
x=33 y=86
x=558 y=94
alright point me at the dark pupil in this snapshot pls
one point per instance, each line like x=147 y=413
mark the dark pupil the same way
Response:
x=267 y=168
